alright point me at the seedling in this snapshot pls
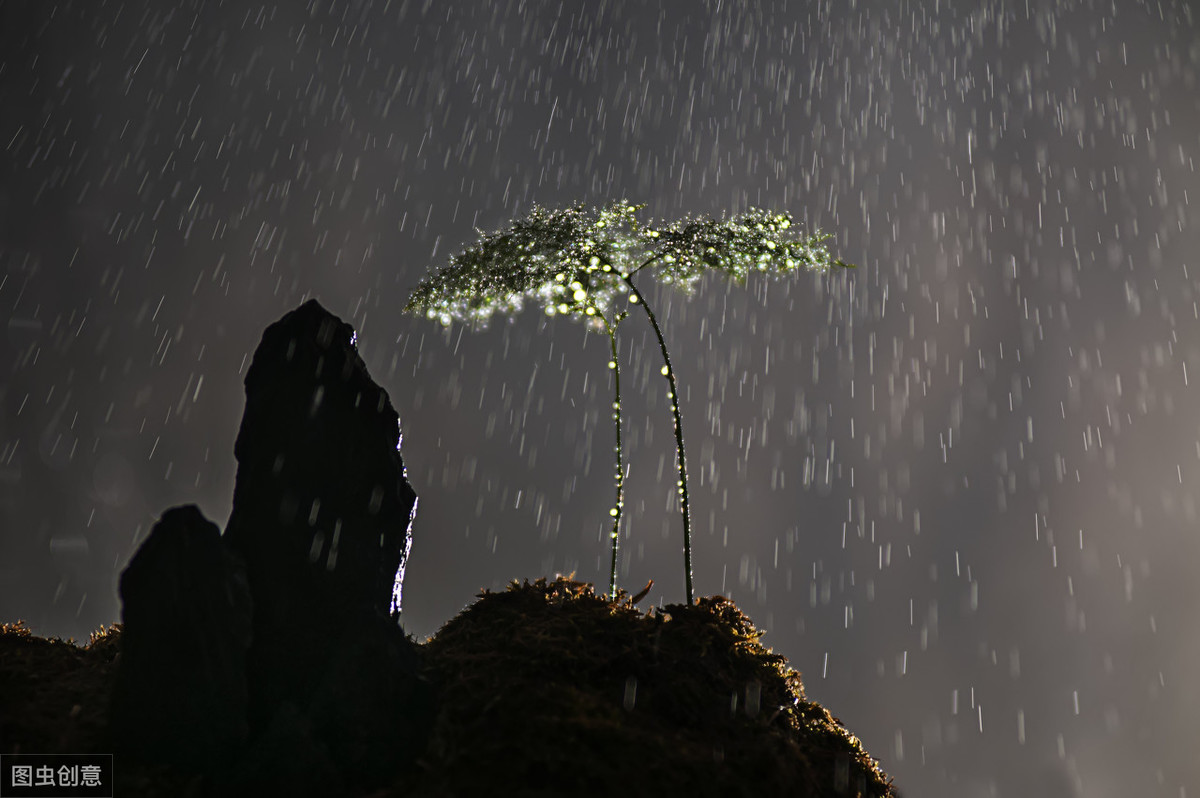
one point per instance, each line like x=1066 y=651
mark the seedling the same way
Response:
x=580 y=263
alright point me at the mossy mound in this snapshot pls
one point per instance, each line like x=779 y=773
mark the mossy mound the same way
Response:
x=551 y=687
x=54 y=694
x=542 y=689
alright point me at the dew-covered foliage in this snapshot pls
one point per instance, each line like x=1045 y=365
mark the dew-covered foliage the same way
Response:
x=575 y=261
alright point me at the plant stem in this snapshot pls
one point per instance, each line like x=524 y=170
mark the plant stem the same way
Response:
x=682 y=459
x=643 y=265
x=616 y=530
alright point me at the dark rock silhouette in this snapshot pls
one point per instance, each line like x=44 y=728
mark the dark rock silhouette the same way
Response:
x=273 y=655
x=363 y=726
x=321 y=506
x=285 y=758
x=180 y=695
x=367 y=701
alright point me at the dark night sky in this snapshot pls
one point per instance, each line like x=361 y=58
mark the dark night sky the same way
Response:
x=957 y=486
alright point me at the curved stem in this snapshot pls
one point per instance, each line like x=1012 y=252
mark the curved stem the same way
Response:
x=682 y=459
x=620 y=473
x=641 y=266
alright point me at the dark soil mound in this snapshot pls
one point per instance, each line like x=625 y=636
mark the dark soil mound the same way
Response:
x=54 y=695
x=543 y=689
x=551 y=687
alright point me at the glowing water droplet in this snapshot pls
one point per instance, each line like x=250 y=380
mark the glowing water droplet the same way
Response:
x=630 y=694
x=753 y=698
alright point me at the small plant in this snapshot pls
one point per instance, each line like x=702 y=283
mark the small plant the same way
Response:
x=580 y=263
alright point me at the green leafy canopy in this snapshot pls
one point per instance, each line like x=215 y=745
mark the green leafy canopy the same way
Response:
x=576 y=261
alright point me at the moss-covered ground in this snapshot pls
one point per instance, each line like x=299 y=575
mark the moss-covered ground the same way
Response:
x=545 y=688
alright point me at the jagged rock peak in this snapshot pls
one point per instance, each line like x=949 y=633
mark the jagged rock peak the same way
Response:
x=318 y=454
x=322 y=509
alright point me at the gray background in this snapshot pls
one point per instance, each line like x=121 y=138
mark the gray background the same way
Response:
x=956 y=487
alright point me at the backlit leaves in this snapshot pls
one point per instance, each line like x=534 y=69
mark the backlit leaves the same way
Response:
x=755 y=241
x=575 y=261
